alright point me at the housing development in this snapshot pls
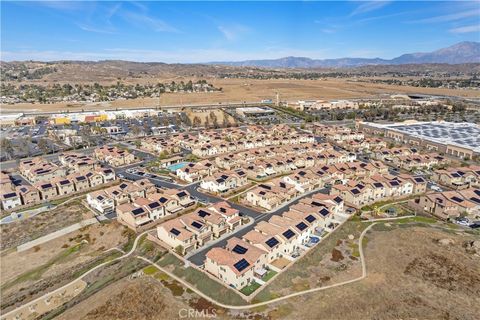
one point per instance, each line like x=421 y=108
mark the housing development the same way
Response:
x=239 y=160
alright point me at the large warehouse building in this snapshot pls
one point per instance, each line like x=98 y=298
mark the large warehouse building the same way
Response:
x=461 y=140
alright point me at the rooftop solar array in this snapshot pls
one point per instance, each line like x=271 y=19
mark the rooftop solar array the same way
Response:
x=272 y=242
x=175 y=231
x=241 y=265
x=466 y=135
x=288 y=234
x=203 y=213
x=301 y=226
x=196 y=224
x=239 y=249
x=310 y=218
x=138 y=211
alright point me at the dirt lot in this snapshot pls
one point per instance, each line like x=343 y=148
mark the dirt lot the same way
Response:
x=238 y=90
x=203 y=115
x=19 y=232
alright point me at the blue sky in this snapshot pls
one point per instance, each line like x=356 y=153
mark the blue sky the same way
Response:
x=225 y=31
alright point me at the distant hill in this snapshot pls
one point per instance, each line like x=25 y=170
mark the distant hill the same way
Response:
x=463 y=52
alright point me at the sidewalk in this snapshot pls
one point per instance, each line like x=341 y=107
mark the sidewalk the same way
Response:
x=56 y=234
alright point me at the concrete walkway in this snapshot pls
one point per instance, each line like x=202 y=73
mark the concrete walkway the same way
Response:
x=56 y=234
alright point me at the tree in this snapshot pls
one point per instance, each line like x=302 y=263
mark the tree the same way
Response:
x=196 y=122
x=43 y=145
x=7 y=147
x=179 y=250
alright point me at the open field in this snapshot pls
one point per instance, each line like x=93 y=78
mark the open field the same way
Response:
x=410 y=276
x=19 y=232
x=27 y=274
x=238 y=90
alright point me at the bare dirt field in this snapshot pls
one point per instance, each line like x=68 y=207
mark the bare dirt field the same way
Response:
x=239 y=90
x=19 y=232
x=203 y=115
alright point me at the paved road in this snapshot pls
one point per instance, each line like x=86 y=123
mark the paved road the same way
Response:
x=199 y=257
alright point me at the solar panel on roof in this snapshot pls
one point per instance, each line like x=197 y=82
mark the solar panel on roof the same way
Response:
x=241 y=265
x=9 y=195
x=196 y=224
x=301 y=226
x=418 y=179
x=355 y=191
x=138 y=211
x=154 y=205
x=47 y=185
x=272 y=242
x=394 y=183
x=64 y=182
x=378 y=185
x=175 y=231
x=457 y=199
x=239 y=249
x=181 y=194
x=310 y=218
x=203 y=213
x=324 y=212
x=288 y=234
x=476 y=200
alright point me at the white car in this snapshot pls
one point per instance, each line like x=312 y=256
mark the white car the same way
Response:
x=436 y=188
x=462 y=221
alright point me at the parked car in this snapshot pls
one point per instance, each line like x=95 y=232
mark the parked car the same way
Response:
x=462 y=221
x=475 y=225
x=314 y=239
x=436 y=188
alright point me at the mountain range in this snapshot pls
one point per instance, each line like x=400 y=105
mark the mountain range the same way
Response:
x=462 y=52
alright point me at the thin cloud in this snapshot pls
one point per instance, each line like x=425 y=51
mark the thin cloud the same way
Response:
x=466 y=29
x=232 y=33
x=143 y=20
x=449 y=17
x=89 y=28
x=368 y=7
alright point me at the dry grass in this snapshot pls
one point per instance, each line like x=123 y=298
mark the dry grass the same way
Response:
x=238 y=90
x=410 y=276
x=19 y=232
